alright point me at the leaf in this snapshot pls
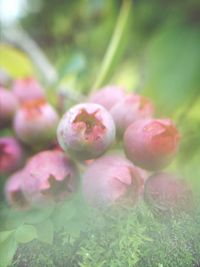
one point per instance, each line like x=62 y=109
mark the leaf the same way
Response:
x=75 y=64
x=45 y=231
x=173 y=66
x=15 y=62
x=4 y=235
x=7 y=251
x=38 y=215
x=63 y=213
x=25 y=233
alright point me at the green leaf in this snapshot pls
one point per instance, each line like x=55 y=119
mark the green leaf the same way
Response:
x=7 y=251
x=15 y=62
x=173 y=66
x=45 y=231
x=25 y=233
x=38 y=215
x=4 y=235
x=63 y=213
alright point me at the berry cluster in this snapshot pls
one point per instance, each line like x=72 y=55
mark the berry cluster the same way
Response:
x=85 y=133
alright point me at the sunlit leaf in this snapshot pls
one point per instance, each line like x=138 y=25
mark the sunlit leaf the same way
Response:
x=15 y=62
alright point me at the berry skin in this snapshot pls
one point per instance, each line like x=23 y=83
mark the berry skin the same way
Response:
x=167 y=192
x=151 y=143
x=27 y=89
x=8 y=106
x=108 y=96
x=86 y=131
x=13 y=191
x=50 y=177
x=35 y=122
x=112 y=179
x=129 y=109
x=11 y=155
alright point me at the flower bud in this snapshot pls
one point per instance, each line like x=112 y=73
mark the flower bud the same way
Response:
x=13 y=191
x=107 y=96
x=8 y=106
x=110 y=180
x=50 y=177
x=35 y=122
x=27 y=89
x=11 y=155
x=167 y=192
x=151 y=143
x=129 y=109
x=86 y=131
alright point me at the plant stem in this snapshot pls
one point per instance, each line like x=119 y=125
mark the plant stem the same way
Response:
x=114 y=44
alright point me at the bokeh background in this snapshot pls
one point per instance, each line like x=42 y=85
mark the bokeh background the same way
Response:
x=148 y=46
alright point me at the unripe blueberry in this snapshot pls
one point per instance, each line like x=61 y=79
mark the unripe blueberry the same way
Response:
x=86 y=131
x=50 y=177
x=35 y=122
x=11 y=155
x=27 y=89
x=112 y=179
x=129 y=109
x=107 y=96
x=8 y=106
x=13 y=191
x=167 y=192
x=151 y=143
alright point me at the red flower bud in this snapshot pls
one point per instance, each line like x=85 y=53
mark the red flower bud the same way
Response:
x=13 y=191
x=11 y=155
x=108 y=96
x=151 y=143
x=167 y=192
x=27 y=89
x=112 y=179
x=129 y=109
x=50 y=176
x=35 y=122
x=86 y=131
x=8 y=106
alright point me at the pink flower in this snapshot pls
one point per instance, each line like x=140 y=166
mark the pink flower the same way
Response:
x=86 y=131
x=35 y=122
x=151 y=143
x=11 y=155
x=129 y=109
x=27 y=89
x=112 y=179
x=50 y=176
x=108 y=96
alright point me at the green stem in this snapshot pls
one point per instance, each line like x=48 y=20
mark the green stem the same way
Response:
x=114 y=44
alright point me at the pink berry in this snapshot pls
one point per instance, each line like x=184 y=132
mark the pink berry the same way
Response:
x=86 y=131
x=13 y=191
x=110 y=180
x=129 y=109
x=35 y=122
x=27 y=89
x=11 y=155
x=151 y=143
x=50 y=177
x=108 y=96
x=8 y=106
x=166 y=192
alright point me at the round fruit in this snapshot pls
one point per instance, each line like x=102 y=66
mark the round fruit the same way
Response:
x=86 y=131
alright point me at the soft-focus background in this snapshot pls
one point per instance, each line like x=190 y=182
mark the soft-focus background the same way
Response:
x=148 y=46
